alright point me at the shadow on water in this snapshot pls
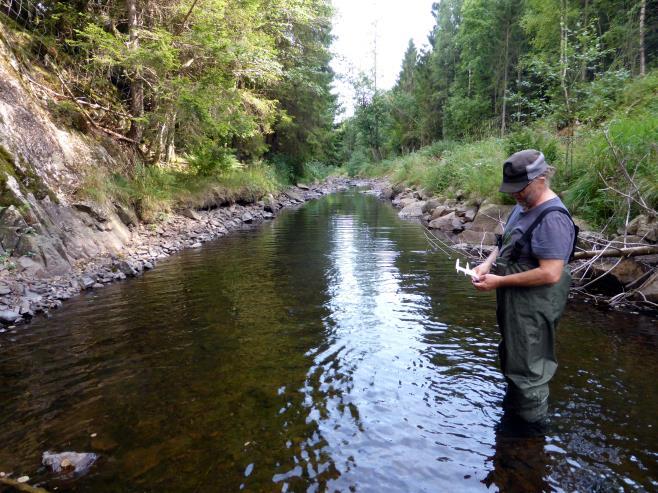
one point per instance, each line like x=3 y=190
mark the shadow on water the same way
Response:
x=328 y=350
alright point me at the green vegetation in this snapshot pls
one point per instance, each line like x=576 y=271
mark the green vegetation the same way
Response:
x=202 y=94
x=577 y=81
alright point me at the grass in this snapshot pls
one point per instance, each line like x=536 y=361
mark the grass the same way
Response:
x=473 y=170
x=154 y=191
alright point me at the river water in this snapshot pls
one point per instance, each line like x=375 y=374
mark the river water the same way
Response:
x=329 y=350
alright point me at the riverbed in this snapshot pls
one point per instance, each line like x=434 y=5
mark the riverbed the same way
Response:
x=328 y=350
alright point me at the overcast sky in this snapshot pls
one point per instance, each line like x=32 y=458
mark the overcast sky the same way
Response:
x=393 y=21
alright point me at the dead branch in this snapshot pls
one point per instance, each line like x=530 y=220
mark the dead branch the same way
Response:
x=618 y=252
x=88 y=116
x=621 y=164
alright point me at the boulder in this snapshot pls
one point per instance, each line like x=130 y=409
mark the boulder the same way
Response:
x=649 y=290
x=441 y=210
x=190 y=214
x=386 y=193
x=470 y=214
x=126 y=214
x=414 y=209
x=449 y=222
x=644 y=227
x=247 y=217
x=490 y=218
x=624 y=272
x=29 y=266
x=403 y=202
x=9 y=316
x=95 y=211
x=478 y=237
x=430 y=205
x=292 y=195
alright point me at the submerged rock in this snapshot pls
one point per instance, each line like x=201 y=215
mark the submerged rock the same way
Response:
x=75 y=462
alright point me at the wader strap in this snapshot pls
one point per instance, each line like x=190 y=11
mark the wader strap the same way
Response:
x=526 y=239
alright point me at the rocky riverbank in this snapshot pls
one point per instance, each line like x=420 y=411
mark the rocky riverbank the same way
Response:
x=28 y=287
x=471 y=226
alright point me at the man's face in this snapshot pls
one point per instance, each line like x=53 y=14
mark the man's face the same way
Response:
x=528 y=197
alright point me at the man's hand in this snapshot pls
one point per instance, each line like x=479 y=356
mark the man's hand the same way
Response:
x=486 y=282
x=482 y=269
x=548 y=272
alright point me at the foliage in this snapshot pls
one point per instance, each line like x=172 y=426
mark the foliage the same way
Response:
x=528 y=138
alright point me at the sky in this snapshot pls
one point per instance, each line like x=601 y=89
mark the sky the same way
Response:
x=394 y=22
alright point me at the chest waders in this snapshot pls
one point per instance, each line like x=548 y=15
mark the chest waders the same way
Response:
x=527 y=319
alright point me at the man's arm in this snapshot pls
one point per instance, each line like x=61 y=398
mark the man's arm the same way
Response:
x=548 y=272
x=485 y=266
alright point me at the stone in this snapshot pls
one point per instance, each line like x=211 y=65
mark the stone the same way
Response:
x=470 y=214
x=449 y=222
x=478 y=238
x=644 y=227
x=9 y=316
x=649 y=290
x=624 y=272
x=303 y=186
x=386 y=193
x=126 y=268
x=291 y=194
x=430 y=205
x=440 y=211
x=267 y=215
x=29 y=267
x=195 y=245
x=490 y=218
x=4 y=289
x=148 y=265
x=126 y=214
x=87 y=282
x=403 y=202
x=190 y=214
x=247 y=217
x=414 y=209
x=92 y=210
x=77 y=462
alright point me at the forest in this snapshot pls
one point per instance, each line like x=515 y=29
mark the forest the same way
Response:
x=198 y=92
x=577 y=80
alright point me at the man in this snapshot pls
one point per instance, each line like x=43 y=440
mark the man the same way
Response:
x=531 y=279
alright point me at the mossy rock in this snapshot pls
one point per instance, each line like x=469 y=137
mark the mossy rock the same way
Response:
x=27 y=178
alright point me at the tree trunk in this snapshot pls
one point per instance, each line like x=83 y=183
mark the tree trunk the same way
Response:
x=618 y=252
x=643 y=8
x=503 y=117
x=136 y=85
x=166 y=136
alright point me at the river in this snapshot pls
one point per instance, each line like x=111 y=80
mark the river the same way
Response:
x=328 y=350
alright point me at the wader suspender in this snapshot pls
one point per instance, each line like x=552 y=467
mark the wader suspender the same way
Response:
x=526 y=239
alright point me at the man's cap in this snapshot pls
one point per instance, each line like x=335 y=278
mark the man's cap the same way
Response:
x=521 y=168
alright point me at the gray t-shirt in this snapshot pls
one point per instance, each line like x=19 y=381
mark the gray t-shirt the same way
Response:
x=551 y=239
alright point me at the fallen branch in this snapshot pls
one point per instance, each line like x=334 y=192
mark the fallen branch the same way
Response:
x=88 y=116
x=21 y=486
x=618 y=252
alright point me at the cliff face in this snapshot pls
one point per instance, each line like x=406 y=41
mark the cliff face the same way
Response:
x=43 y=229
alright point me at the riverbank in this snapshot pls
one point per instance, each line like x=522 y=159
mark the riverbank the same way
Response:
x=470 y=225
x=26 y=290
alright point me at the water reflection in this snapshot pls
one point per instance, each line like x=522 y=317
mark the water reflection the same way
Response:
x=329 y=350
